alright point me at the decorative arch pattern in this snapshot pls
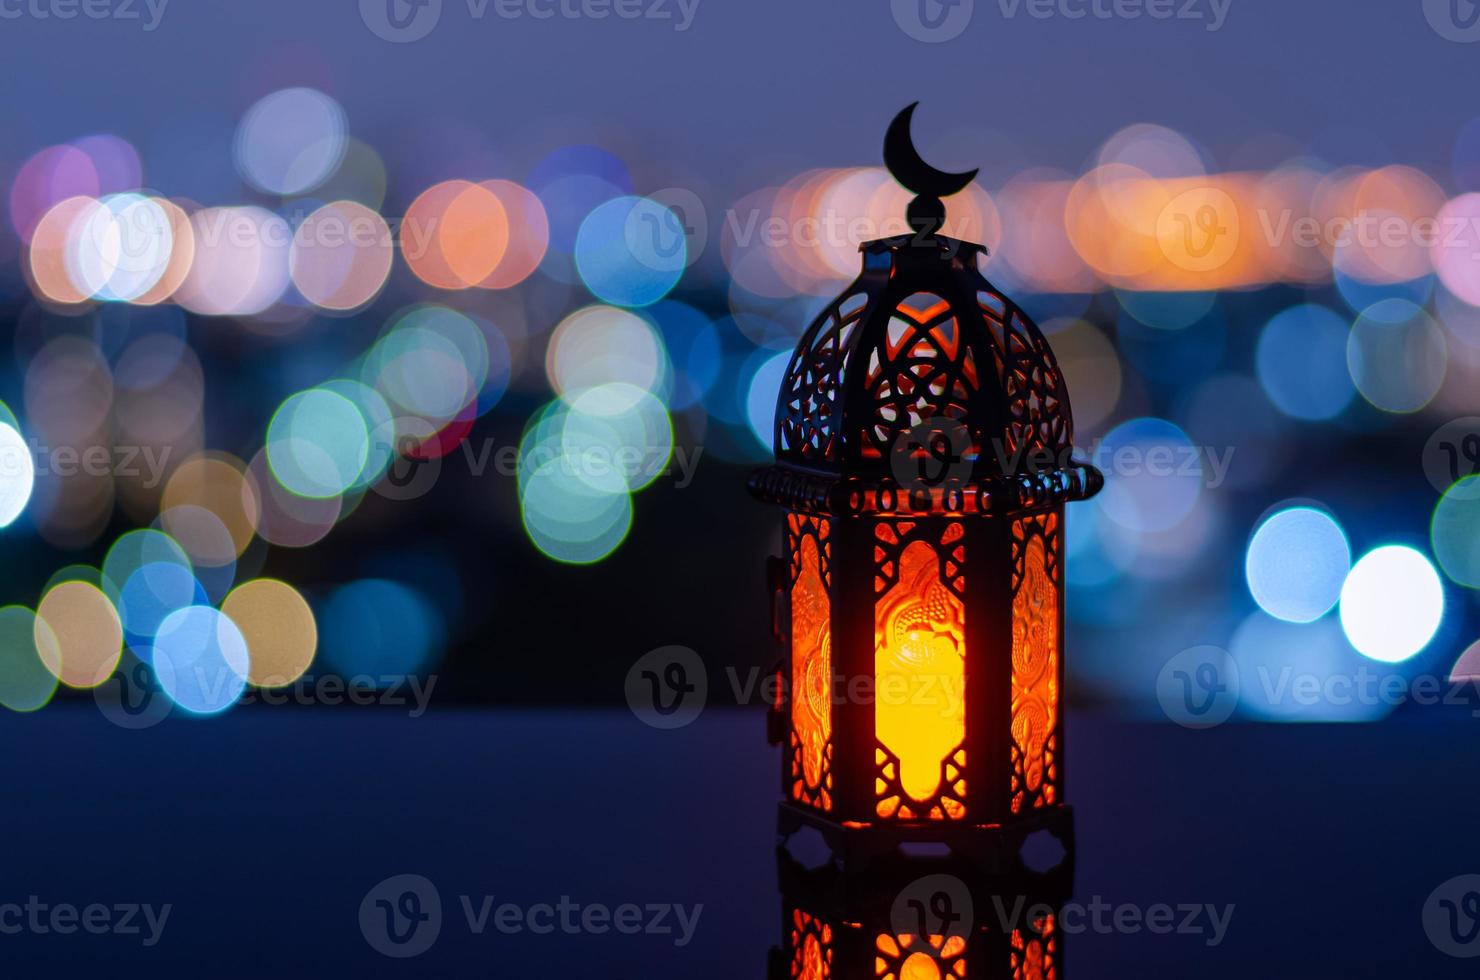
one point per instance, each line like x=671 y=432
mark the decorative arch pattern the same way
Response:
x=810 y=747
x=806 y=419
x=919 y=671
x=920 y=368
x=1037 y=408
x=1036 y=648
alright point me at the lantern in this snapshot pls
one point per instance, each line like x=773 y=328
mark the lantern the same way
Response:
x=936 y=928
x=923 y=445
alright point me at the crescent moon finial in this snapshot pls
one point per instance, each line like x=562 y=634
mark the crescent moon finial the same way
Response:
x=905 y=163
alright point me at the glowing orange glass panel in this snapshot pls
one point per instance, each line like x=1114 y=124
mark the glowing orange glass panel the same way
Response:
x=920 y=670
x=1035 y=957
x=1035 y=676
x=811 y=944
x=811 y=674
x=909 y=957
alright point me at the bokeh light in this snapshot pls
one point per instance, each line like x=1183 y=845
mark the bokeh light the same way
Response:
x=630 y=251
x=152 y=593
x=455 y=234
x=26 y=683
x=760 y=399
x=341 y=255
x=45 y=180
x=1296 y=564
x=241 y=262
x=1291 y=672
x=279 y=628
x=291 y=141
x=381 y=630
x=1301 y=361
x=1397 y=356
x=17 y=474
x=1454 y=532
x=1391 y=603
x=600 y=345
x=1153 y=475
x=318 y=443
x=201 y=660
x=216 y=483
x=78 y=634
x=529 y=234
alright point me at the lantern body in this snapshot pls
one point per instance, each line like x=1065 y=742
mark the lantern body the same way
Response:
x=817 y=946
x=923 y=440
x=921 y=919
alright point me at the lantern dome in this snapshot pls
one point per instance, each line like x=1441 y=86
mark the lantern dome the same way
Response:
x=923 y=389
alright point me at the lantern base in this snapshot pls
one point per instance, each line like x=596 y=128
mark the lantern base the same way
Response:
x=1030 y=855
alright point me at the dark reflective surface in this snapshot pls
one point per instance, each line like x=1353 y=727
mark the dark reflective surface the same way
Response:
x=270 y=831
